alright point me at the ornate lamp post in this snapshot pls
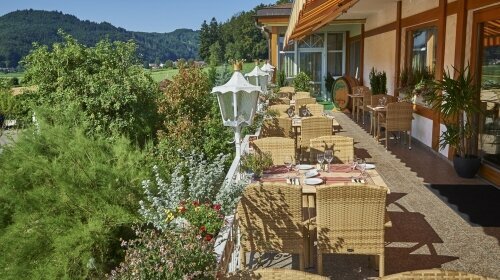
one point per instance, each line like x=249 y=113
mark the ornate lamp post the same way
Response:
x=269 y=69
x=258 y=77
x=237 y=102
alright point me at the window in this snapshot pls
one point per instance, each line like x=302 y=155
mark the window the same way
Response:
x=355 y=58
x=312 y=41
x=335 y=47
x=423 y=43
x=286 y=57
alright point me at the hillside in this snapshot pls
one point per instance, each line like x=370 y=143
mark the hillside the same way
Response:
x=19 y=29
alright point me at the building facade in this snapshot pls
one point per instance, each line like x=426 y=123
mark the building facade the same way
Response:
x=350 y=37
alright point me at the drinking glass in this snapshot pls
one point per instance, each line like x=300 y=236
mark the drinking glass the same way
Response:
x=362 y=166
x=320 y=158
x=384 y=100
x=288 y=163
x=354 y=162
x=328 y=157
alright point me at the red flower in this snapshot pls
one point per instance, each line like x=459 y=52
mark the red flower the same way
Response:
x=196 y=203
x=208 y=237
x=203 y=228
x=181 y=209
x=217 y=207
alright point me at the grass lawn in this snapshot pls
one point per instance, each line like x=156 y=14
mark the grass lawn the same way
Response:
x=161 y=74
x=18 y=75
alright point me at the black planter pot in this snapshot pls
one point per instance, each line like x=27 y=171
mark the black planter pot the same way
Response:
x=466 y=167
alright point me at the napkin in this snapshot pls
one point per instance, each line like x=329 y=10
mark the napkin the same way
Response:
x=340 y=168
x=277 y=169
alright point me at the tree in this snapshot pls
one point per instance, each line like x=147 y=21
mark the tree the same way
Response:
x=103 y=88
x=283 y=1
x=215 y=54
x=205 y=41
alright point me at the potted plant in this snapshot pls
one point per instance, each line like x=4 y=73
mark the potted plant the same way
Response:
x=378 y=81
x=256 y=163
x=414 y=83
x=302 y=82
x=456 y=100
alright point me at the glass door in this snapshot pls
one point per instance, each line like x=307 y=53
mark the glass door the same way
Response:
x=311 y=62
x=489 y=73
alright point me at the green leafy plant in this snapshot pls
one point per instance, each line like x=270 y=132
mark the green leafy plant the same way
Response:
x=302 y=82
x=378 y=81
x=281 y=79
x=256 y=162
x=456 y=100
x=206 y=217
x=414 y=82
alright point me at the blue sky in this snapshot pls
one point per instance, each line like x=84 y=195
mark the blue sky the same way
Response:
x=145 y=15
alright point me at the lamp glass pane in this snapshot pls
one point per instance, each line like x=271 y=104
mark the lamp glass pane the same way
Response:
x=247 y=104
x=226 y=105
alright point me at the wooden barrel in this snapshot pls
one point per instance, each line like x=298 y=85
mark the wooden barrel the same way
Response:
x=340 y=90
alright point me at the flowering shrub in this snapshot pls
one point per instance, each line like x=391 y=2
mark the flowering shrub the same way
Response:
x=205 y=217
x=168 y=254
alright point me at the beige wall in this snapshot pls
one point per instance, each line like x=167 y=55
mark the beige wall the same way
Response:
x=379 y=52
x=449 y=47
x=384 y=16
x=412 y=7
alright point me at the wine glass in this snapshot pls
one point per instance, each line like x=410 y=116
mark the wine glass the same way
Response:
x=328 y=157
x=288 y=163
x=362 y=166
x=384 y=100
x=320 y=158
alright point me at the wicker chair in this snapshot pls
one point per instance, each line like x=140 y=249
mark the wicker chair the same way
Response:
x=374 y=102
x=350 y=220
x=277 y=127
x=281 y=108
x=367 y=100
x=303 y=101
x=273 y=274
x=270 y=220
x=313 y=127
x=287 y=89
x=316 y=109
x=342 y=146
x=434 y=274
x=398 y=117
x=302 y=94
x=278 y=147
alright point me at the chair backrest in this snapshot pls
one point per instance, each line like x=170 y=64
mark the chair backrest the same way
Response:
x=342 y=146
x=277 y=127
x=270 y=216
x=281 y=108
x=389 y=99
x=313 y=127
x=399 y=116
x=285 y=100
x=303 y=101
x=350 y=218
x=287 y=89
x=278 y=147
x=367 y=97
x=302 y=94
x=434 y=274
x=316 y=109
x=274 y=274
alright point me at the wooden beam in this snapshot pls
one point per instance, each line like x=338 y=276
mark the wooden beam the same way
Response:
x=381 y=29
x=422 y=17
x=397 y=64
x=347 y=52
x=472 y=5
x=441 y=40
x=273 y=52
x=362 y=54
x=460 y=34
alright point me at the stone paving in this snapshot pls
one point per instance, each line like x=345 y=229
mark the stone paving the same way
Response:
x=426 y=232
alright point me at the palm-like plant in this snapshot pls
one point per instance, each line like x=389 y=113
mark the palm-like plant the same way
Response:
x=456 y=99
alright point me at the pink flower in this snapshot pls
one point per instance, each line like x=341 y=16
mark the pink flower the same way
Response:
x=217 y=207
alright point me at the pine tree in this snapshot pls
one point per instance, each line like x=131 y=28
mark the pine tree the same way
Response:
x=205 y=41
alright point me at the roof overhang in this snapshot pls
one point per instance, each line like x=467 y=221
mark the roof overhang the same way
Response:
x=310 y=15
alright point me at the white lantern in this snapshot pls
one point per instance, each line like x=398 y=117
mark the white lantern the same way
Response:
x=238 y=103
x=259 y=78
x=268 y=68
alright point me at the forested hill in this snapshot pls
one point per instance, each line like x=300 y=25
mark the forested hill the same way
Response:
x=19 y=29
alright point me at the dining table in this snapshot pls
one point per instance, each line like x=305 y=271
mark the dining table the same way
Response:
x=329 y=174
x=375 y=111
x=357 y=99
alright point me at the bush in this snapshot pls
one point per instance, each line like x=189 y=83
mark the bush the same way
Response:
x=281 y=79
x=301 y=82
x=66 y=200
x=329 y=81
x=103 y=88
x=378 y=82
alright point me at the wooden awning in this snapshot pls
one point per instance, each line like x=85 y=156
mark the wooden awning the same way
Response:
x=491 y=33
x=310 y=15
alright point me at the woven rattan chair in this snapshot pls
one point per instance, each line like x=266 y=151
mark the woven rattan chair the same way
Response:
x=274 y=274
x=277 y=127
x=302 y=94
x=270 y=220
x=375 y=102
x=367 y=100
x=342 y=146
x=303 y=101
x=398 y=117
x=278 y=147
x=316 y=109
x=287 y=89
x=313 y=127
x=350 y=220
x=434 y=274
x=281 y=108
